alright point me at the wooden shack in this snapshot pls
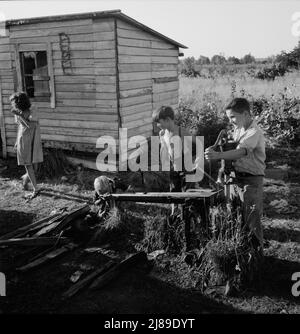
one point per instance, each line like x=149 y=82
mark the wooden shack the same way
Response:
x=88 y=75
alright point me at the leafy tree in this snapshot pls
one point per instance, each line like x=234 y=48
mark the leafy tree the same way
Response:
x=248 y=59
x=218 y=60
x=270 y=73
x=233 y=60
x=271 y=59
x=202 y=60
x=290 y=59
x=188 y=67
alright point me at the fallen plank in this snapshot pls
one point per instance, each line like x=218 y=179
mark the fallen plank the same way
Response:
x=33 y=241
x=46 y=258
x=49 y=227
x=70 y=217
x=41 y=254
x=56 y=227
x=163 y=197
x=31 y=232
x=108 y=276
x=24 y=229
x=81 y=284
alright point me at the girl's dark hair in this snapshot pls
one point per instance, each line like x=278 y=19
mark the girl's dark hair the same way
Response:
x=22 y=100
x=163 y=112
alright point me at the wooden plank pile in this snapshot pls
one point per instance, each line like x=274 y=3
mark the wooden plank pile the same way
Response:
x=49 y=239
x=43 y=240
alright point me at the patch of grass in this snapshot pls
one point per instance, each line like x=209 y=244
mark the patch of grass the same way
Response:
x=228 y=254
x=221 y=86
x=161 y=231
x=55 y=164
x=119 y=227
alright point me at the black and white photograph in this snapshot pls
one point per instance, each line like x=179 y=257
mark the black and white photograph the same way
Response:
x=149 y=160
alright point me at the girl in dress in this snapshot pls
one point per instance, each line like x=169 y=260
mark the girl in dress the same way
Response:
x=28 y=144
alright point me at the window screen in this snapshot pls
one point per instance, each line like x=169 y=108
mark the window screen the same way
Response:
x=35 y=75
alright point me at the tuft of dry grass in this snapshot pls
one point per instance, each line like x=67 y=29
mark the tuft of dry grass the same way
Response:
x=230 y=254
x=163 y=231
x=55 y=164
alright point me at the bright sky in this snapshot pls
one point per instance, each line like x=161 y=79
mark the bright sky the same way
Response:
x=233 y=28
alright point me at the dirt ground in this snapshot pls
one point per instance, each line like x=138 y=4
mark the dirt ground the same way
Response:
x=141 y=291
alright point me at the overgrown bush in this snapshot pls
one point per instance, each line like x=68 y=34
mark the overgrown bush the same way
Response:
x=279 y=117
x=290 y=59
x=187 y=67
x=271 y=72
x=204 y=118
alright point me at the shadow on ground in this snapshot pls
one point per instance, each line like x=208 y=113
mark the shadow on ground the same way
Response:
x=140 y=294
x=11 y=220
x=275 y=280
x=281 y=234
x=133 y=292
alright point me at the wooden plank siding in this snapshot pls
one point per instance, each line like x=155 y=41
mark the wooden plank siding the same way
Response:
x=105 y=68
x=120 y=74
x=85 y=100
x=6 y=89
x=143 y=58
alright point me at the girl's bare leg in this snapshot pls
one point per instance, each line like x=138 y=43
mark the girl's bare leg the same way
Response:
x=31 y=175
x=25 y=181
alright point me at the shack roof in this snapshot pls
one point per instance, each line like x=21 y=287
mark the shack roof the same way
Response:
x=103 y=14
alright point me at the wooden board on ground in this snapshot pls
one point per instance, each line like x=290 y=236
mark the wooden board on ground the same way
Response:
x=56 y=227
x=35 y=229
x=129 y=262
x=164 y=197
x=23 y=230
x=81 y=284
x=45 y=229
x=48 y=257
x=33 y=241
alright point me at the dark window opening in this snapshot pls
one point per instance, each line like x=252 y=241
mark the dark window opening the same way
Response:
x=35 y=75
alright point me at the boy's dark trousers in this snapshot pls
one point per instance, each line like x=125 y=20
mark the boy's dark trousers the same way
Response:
x=249 y=191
